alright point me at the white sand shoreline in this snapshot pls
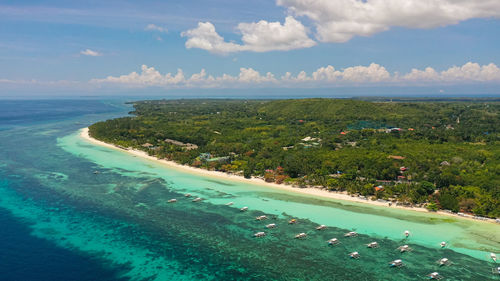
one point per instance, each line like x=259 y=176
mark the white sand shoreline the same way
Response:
x=311 y=191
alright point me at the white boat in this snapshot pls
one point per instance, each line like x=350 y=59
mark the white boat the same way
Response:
x=405 y=248
x=261 y=218
x=197 y=199
x=259 y=234
x=244 y=209
x=435 y=276
x=300 y=235
x=229 y=204
x=96 y=172
x=321 y=227
x=172 y=201
x=354 y=255
x=271 y=225
x=333 y=241
x=444 y=261
x=351 y=234
x=493 y=257
x=396 y=263
x=372 y=245
x=443 y=244
x=407 y=233
x=187 y=194
x=495 y=270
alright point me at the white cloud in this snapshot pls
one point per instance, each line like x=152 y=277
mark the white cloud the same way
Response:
x=154 y=27
x=373 y=75
x=259 y=36
x=89 y=52
x=340 y=20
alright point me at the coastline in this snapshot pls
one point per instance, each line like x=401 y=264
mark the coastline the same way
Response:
x=311 y=191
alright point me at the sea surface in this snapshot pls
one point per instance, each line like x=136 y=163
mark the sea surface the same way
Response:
x=62 y=221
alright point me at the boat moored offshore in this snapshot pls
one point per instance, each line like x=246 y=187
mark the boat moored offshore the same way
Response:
x=197 y=199
x=271 y=225
x=443 y=244
x=172 y=201
x=229 y=203
x=244 y=209
x=444 y=261
x=396 y=263
x=354 y=255
x=405 y=248
x=435 y=276
x=333 y=241
x=321 y=227
x=300 y=235
x=260 y=234
x=351 y=234
x=261 y=218
x=372 y=245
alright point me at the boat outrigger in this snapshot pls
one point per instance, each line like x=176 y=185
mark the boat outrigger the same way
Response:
x=372 y=245
x=351 y=234
x=443 y=244
x=244 y=209
x=444 y=261
x=405 y=248
x=333 y=241
x=172 y=201
x=321 y=227
x=354 y=255
x=292 y=221
x=197 y=199
x=261 y=218
x=300 y=235
x=271 y=225
x=435 y=276
x=396 y=263
x=229 y=204
x=259 y=234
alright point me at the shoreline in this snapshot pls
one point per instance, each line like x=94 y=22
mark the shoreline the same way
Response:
x=311 y=191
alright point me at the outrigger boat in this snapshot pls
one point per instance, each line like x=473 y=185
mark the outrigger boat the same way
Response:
x=444 y=261
x=300 y=235
x=443 y=244
x=292 y=221
x=495 y=270
x=435 y=276
x=197 y=199
x=372 y=245
x=261 y=218
x=172 y=201
x=259 y=234
x=351 y=234
x=396 y=263
x=321 y=227
x=354 y=255
x=493 y=257
x=271 y=225
x=187 y=194
x=229 y=204
x=333 y=241
x=407 y=233
x=405 y=248
x=244 y=209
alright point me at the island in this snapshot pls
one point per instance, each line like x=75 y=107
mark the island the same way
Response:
x=425 y=153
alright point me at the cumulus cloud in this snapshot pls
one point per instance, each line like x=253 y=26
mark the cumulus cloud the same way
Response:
x=154 y=27
x=89 y=52
x=340 y=20
x=373 y=74
x=259 y=36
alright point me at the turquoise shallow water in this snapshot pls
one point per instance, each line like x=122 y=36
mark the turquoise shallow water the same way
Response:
x=121 y=218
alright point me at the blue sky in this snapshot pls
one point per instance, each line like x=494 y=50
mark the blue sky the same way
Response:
x=85 y=46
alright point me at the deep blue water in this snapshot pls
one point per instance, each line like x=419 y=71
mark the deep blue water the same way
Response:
x=24 y=257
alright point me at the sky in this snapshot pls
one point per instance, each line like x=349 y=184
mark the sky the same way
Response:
x=282 y=47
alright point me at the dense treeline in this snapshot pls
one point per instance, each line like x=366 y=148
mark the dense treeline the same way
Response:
x=443 y=154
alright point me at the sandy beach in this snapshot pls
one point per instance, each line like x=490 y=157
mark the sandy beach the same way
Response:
x=311 y=191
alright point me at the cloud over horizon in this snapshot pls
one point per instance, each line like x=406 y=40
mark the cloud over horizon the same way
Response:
x=91 y=53
x=373 y=75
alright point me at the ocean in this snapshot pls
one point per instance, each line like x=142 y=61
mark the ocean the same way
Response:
x=62 y=221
